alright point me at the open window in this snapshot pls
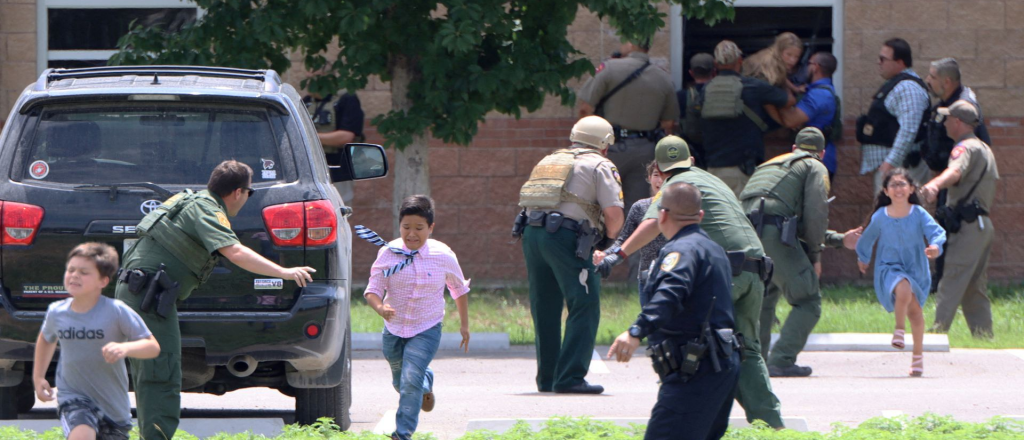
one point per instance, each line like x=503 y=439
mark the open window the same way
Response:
x=84 y=33
x=818 y=23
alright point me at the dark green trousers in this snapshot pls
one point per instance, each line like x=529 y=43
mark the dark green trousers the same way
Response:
x=754 y=389
x=555 y=282
x=157 y=381
x=796 y=281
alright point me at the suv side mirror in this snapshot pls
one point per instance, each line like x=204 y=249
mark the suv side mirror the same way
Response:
x=358 y=162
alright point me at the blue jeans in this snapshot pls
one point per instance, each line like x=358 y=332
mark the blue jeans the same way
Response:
x=410 y=374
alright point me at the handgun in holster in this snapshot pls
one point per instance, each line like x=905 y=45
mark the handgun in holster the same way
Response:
x=585 y=239
x=757 y=217
x=788 y=232
x=519 y=225
x=736 y=260
x=161 y=290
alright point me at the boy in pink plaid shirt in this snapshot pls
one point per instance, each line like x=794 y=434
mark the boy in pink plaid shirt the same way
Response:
x=414 y=271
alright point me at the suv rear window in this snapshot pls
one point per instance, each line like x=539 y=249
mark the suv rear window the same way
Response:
x=159 y=142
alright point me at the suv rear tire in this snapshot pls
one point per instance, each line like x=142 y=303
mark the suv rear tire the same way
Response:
x=9 y=403
x=313 y=403
x=26 y=396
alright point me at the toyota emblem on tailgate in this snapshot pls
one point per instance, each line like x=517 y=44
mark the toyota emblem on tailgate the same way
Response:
x=149 y=205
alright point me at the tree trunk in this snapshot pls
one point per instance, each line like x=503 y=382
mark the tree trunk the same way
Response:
x=412 y=169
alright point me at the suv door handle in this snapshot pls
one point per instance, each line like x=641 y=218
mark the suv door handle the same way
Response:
x=346 y=211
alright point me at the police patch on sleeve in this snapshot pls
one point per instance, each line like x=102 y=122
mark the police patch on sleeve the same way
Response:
x=669 y=262
x=223 y=220
x=615 y=174
x=957 y=151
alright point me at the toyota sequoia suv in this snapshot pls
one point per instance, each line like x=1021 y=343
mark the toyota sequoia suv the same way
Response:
x=86 y=153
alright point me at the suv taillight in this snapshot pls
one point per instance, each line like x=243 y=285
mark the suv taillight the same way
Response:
x=20 y=223
x=310 y=224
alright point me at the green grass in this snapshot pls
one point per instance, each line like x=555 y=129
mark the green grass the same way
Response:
x=926 y=427
x=845 y=309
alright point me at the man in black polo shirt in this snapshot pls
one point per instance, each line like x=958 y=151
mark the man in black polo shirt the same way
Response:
x=733 y=131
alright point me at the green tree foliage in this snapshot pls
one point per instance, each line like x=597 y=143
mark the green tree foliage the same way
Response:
x=449 y=62
x=467 y=57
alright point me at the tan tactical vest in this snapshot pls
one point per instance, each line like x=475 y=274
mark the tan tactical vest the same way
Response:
x=545 y=188
x=773 y=180
x=322 y=112
x=159 y=225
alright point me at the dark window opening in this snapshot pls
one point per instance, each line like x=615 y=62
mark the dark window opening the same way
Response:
x=100 y=29
x=755 y=28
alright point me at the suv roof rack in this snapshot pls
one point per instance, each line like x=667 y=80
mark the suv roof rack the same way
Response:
x=95 y=72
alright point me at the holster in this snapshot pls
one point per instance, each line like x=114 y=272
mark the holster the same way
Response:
x=947 y=218
x=135 y=278
x=161 y=291
x=586 y=236
x=757 y=217
x=519 y=225
x=736 y=260
x=788 y=232
x=553 y=222
x=714 y=348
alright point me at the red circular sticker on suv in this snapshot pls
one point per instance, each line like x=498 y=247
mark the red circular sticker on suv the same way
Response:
x=39 y=169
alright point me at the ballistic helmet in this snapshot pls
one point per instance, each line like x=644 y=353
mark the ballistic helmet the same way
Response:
x=593 y=131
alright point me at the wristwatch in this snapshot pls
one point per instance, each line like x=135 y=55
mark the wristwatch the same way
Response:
x=634 y=331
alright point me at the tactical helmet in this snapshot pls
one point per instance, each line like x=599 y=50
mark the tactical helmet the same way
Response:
x=593 y=131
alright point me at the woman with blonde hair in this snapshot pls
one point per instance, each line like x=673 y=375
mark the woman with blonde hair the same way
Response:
x=775 y=63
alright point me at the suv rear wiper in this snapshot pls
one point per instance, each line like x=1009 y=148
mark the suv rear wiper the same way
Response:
x=161 y=191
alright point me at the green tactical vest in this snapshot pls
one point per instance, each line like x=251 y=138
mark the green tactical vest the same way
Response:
x=723 y=99
x=774 y=180
x=545 y=188
x=159 y=225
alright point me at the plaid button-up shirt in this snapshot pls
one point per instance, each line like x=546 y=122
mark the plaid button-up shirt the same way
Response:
x=907 y=101
x=417 y=291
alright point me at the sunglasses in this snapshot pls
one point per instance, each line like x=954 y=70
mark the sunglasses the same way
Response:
x=249 y=190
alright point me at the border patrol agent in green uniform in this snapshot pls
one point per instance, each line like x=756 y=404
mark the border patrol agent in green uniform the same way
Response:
x=787 y=201
x=339 y=119
x=572 y=199
x=726 y=224
x=180 y=244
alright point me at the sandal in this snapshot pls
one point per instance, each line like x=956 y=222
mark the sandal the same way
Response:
x=917 y=365
x=897 y=339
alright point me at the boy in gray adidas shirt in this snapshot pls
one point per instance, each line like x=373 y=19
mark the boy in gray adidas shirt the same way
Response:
x=96 y=333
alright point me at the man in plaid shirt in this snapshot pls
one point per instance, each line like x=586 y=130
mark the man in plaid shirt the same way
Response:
x=887 y=132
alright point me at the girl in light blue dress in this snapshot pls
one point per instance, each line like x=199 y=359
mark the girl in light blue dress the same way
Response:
x=907 y=237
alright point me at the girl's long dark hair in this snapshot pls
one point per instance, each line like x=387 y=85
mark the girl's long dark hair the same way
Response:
x=883 y=200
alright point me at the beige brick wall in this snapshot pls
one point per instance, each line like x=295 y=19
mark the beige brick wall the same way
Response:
x=985 y=36
x=17 y=50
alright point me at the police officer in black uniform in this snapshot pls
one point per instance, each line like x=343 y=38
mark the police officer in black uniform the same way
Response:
x=688 y=324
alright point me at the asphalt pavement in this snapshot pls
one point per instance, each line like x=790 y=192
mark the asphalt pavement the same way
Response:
x=847 y=387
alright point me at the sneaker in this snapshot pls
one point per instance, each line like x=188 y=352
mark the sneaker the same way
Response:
x=790 y=371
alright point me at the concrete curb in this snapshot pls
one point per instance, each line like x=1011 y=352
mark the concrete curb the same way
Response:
x=449 y=341
x=869 y=342
x=502 y=425
x=202 y=428
x=880 y=342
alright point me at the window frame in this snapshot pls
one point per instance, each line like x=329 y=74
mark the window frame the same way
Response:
x=43 y=53
x=677 y=24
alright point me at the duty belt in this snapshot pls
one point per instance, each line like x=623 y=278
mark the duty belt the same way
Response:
x=540 y=219
x=622 y=133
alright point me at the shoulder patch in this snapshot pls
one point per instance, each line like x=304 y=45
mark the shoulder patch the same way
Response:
x=615 y=173
x=223 y=220
x=957 y=151
x=669 y=262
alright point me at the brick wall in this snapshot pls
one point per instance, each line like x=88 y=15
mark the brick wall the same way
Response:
x=476 y=189
x=17 y=51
